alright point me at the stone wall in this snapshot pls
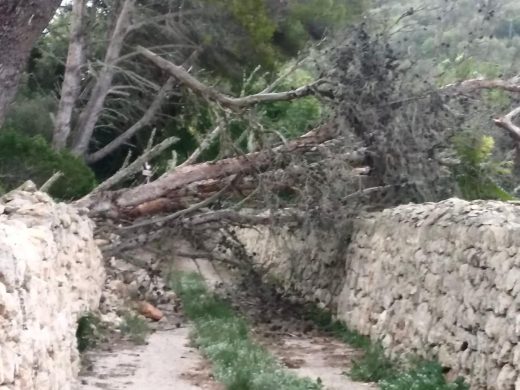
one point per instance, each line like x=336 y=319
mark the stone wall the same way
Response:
x=438 y=280
x=50 y=273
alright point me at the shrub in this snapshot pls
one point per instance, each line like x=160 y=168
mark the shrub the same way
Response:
x=87 y=332
x=31 y=158
x=477 y=172
x=135 y=328
x=30 y=116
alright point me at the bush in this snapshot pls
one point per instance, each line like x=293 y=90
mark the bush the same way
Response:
x=88 y=331
x=30 y=116
x=31 y=158
x=477 y=172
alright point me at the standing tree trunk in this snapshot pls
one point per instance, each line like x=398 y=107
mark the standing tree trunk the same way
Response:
x=21 y=23
x=90 y=115
x=71 y=86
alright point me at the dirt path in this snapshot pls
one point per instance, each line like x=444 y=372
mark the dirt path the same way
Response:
x=300 y=347
x=166 y=362
x=317 y=357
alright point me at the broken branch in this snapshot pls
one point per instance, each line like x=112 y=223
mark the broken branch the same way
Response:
x=226 y=101
x=135 y=166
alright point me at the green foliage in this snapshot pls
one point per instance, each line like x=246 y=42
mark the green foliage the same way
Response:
x=88 y=331
x=294 y=118
x=310 y=19
x=31 y=158
x=476 y=173
x=224 y=337
x=464 y=67
x=276 y=29
x=375 y=366
x=323 y=319
x=135 y=328
x=254 y=18
x=326 y=12
x=32 y=116
x=423 y=376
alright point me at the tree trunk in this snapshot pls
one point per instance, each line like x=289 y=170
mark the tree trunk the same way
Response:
x=21 y=23
x=70 y=88
x=199 y=181
x=90 y=116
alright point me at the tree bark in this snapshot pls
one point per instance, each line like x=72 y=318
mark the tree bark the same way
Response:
x=21 y=23
x=91 y=113
x=172 y=190
x=70 y=88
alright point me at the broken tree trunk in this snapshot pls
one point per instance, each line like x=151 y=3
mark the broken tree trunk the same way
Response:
x=200 y=181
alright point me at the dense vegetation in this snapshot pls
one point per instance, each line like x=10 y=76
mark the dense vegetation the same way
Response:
x=23 y=157
x=243 y=46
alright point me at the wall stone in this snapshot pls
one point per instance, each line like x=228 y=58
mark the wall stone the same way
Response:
x=51 y=272
x=438 y=280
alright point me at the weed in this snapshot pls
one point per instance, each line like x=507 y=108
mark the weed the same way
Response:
x=135 y=328
x=323 y=319
x=88 y=331
x=223 y=336
x=375 y=366
x=425 y=375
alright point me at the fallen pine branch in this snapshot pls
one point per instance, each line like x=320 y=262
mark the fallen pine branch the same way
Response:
x=226 y=101
x=157 y=196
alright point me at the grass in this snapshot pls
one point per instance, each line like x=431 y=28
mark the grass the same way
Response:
x=224 y=338
x=134 y=327
x=376 y=366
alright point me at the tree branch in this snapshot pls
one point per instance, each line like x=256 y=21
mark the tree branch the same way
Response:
x=506 y=123
x=134 y=167
x=471 y=85
x=241 y=219
x=206 y=143
x=50 y=182
x=227 y=101
x=145 y=120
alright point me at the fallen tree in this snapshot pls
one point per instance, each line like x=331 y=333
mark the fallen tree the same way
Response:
x=170 y=191
x=191 y=187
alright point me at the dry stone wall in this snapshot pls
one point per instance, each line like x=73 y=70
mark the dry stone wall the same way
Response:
x=438 y=280
x=51 y=272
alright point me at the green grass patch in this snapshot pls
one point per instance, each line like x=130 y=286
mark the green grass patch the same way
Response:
x=135 y=328
x=423 y=375
x=376 y=366
x=224 y=338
